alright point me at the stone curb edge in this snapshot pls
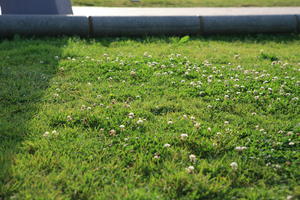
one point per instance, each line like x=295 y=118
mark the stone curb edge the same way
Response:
x=98 y=26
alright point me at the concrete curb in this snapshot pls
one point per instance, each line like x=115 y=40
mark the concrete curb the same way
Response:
x=54 y=25
x=43 y=25
x=249 y=24
x=298 y=23
x=135 y=26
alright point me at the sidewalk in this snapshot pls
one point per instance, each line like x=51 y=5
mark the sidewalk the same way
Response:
x=113 y=11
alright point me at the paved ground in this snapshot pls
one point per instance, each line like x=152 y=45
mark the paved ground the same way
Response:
x=114 y=11
x=110 y=11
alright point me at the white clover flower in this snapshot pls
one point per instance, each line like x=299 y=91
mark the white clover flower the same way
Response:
x=197 y=125
x=126 y=105
x=156 y=157
x=192 y=83
x=113 y=101
x=167 y=145
x=226 y=122
x=46 y=134
x=234 y=165
x=183 y=136
x=185 y=116
x=131 y=115
x=277 y=166
x=289 y=197
x=290 y=133
x=132 y=73
x=69 y=118
x=112 y=132
x=170 y=122
x=140 y=121
x=237 y=56
x=55 y=132
x=122 y=127
x=190 y=169
x=240 y=148
x=192 y=118
x=291 y=143
x=209 y=129
x=280 y=132
x=192 y=158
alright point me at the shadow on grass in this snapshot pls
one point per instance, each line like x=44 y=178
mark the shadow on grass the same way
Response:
x=253 y=38
x=26 y=67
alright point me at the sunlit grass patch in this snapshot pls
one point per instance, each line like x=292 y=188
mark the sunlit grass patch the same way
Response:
x=150 y=118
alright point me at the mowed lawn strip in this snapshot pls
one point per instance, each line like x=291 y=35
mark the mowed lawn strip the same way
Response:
x=150 y=118
x=186 y=3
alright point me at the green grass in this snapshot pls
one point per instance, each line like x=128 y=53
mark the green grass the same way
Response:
x=223 y=92
x=187 y=3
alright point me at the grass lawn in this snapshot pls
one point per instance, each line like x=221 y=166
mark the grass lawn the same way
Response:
x=150 y=118
x=187 y=3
